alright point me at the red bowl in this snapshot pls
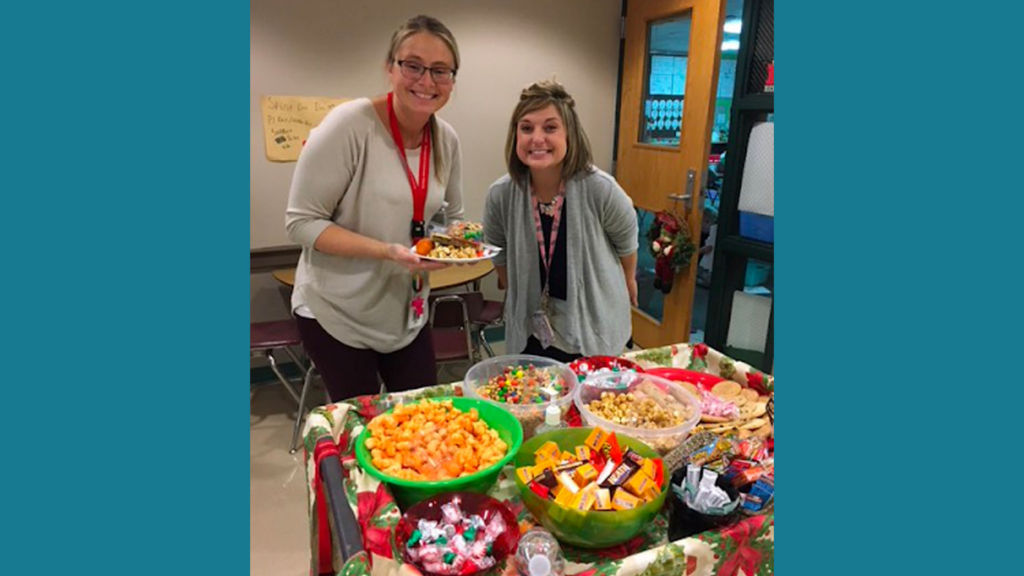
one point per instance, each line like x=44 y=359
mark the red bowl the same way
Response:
x=471 y=503
x=702 y=380
x=584 y=366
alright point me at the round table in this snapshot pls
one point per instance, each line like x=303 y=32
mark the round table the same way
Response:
x=449 y=277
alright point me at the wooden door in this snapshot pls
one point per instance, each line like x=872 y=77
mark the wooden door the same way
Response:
x=669 y=79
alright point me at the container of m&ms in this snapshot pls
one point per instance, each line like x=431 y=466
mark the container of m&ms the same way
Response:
x=524 y=385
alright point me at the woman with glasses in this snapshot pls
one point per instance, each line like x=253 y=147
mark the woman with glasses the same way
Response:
x=366 y=178
x=569 y=235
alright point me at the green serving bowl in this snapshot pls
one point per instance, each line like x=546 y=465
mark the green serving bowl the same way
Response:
x=592 y=529
x=409 y=492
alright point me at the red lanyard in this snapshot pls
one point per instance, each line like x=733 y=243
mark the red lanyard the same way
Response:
x=419 y=189
x=556 y=219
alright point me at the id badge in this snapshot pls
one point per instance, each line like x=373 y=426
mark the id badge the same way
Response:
x=542 y=329
x=417 y=314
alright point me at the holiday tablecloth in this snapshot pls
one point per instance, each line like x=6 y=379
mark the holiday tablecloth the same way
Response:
x=746 y=548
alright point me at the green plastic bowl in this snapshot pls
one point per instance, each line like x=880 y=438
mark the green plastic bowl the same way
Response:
x=409 y=492
x=593 y=529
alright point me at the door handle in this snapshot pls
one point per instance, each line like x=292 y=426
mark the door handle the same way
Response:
x=686 y=197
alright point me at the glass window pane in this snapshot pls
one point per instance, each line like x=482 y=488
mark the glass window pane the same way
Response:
x=668 y=47
x=650 y=298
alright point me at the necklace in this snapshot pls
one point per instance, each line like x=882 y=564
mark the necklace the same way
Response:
x=548 y=208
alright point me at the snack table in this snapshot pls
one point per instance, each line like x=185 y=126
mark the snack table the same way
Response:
x=345 y=540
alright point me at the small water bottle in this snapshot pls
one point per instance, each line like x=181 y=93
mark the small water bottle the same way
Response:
x=552 y=420
x=539 y=554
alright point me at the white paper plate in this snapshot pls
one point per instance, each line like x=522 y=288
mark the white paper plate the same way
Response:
x=489 y=252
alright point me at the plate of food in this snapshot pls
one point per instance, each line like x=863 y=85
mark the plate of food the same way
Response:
x=458 y=244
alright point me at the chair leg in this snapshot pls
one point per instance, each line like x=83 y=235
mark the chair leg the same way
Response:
x=273 y=366
x=302 y=408
x=485 y=343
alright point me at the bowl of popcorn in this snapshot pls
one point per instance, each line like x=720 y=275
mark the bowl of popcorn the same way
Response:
x=439 y=445
x=522 y=384
x=657 y=411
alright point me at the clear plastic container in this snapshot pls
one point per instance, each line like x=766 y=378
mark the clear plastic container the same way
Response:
x=531 y=414
x=661 y=439
x=539 y=554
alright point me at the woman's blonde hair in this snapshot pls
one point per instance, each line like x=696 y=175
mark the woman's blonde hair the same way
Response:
x=536 y=97
x=433 y=26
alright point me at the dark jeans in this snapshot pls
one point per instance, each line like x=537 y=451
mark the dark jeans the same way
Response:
x=349 y=372
x=533 y=347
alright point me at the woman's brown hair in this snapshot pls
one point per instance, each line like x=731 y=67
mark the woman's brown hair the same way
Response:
x=537 y=96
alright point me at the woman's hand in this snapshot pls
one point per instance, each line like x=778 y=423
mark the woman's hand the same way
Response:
x=632 y=289
x=401 y=255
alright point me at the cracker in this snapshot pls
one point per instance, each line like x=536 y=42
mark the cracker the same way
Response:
x=764 y=431
x=754 y=424
x=707 y=418
x=726 y=388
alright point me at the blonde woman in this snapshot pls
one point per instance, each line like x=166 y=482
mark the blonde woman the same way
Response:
x=368 y=177
x=569 y=234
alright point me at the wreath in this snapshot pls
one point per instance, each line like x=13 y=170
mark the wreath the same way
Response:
x=669 y=242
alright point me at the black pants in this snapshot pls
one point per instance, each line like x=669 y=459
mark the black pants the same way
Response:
x=533 y=347
x=349 y=372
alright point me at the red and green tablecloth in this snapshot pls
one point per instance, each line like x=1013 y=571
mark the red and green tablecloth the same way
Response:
x=746 y=548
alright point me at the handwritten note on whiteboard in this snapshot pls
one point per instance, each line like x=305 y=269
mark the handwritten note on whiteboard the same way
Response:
x=287 y=121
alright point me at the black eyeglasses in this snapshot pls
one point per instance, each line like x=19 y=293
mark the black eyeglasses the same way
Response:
x=415 y=70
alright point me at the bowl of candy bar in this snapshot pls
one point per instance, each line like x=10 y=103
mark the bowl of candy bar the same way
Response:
x=459 y=533
x=590 y=488
x=439 y=445
x=655 y=410
x=524 y=385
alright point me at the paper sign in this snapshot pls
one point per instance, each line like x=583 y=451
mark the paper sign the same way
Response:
x=287 y=121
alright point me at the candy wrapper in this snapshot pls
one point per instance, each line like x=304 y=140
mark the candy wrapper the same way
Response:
x=458 y=544
x=702 y=495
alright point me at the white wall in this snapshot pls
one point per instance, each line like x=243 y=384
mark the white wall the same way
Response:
x=336 y=48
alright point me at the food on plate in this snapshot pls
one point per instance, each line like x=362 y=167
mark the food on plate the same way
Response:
x=432 y=440
x=451 y=248
x=424 y=246
x=466 y=230
x=728 y=409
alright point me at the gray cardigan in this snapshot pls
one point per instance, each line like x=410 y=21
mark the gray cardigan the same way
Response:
x=601 y=228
